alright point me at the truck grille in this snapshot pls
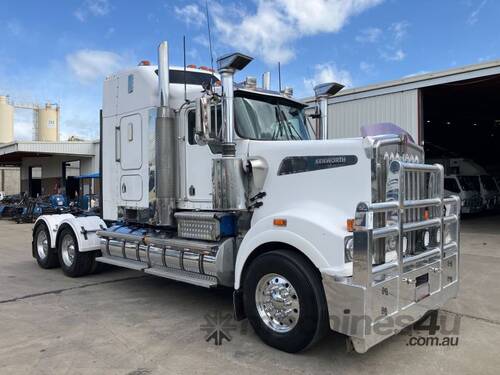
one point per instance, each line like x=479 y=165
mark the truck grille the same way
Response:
x=417 y=187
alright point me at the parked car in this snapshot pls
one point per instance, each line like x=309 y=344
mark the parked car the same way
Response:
x=467 y=189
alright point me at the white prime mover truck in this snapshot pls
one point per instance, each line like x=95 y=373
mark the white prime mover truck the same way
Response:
x=214 y=183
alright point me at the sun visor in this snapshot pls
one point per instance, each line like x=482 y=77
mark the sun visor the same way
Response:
x=385 y=128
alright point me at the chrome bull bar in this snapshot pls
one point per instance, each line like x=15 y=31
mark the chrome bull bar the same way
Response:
x=446 y=213
x=399 y=291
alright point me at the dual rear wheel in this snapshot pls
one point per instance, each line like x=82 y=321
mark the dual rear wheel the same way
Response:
x=66 y=254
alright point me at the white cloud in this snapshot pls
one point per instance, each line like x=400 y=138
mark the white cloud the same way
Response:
x=393 y=55
x=366 y=67
x=96 y=8
x=23 y=125
x=271 y=29
x=370 y=35
x=399 y=30
x=90 y=65
x=191 y=14
x=392 y=50
x=201 y=40
x=474 y=15
x=328 y=72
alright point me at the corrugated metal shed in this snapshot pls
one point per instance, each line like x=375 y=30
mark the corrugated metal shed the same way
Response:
x=393 y=101
x=346 y=118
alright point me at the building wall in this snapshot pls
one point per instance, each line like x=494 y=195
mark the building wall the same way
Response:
x=346 y=117
x=52 y=170
x=10 y=180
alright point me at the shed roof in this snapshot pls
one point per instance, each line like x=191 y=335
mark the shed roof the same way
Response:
x=14 y=152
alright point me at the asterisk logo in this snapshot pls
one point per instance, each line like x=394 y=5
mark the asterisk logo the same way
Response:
x=218 y=327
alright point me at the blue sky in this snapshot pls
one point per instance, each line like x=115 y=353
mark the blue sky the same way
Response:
x=60 y=51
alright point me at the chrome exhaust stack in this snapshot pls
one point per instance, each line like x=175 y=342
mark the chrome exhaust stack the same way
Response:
x=322 y=92
x=165 y=146
x=228 y=177
x=266 y=81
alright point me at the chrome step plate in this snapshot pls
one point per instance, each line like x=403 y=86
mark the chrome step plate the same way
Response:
x=120 y=262
x=184 y=276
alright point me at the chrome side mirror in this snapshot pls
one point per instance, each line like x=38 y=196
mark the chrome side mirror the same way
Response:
x=203 y=120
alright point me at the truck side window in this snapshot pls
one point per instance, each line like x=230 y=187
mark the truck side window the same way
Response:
x=215 y=148
x=450 y=184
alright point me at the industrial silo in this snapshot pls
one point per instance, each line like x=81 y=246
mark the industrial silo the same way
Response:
x=48 y=123
x=6 y=120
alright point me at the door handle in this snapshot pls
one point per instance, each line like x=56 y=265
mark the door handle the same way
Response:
x=118 y=145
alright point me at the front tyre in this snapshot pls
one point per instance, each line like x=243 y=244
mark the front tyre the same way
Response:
x=284 y=301
x=44 y=255
x=73 y=262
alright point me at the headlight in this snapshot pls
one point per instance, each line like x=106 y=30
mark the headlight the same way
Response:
x=348 y=249
x=427 y=238
x=438 y=236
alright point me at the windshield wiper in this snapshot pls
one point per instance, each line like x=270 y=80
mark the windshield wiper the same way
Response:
x=281 y=126
x=289 y=126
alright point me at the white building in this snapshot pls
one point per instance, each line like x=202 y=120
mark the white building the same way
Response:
x=50 y=167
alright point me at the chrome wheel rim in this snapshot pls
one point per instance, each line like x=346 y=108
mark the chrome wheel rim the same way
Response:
x=277 y=303
x=42 y=245
x=68 y=250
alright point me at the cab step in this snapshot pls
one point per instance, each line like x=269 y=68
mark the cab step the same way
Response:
x=205 y=281
x=125 y=263
x=184 y=276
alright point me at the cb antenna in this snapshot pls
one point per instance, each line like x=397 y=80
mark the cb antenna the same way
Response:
x=184 y=56
x=209 y=38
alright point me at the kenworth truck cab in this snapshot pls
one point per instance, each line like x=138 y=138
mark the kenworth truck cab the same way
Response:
x=220 y=184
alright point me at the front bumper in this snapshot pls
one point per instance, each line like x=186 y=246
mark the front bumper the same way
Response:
x=378 y=301
x=372 y=314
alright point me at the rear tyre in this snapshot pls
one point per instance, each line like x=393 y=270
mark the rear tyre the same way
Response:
x=44 y=255
x=73 y=262
x=96 y=267
x=284 y=301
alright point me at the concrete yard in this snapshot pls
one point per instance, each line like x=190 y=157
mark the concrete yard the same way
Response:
x=123 y=322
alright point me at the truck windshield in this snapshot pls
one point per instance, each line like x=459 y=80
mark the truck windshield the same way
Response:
x=469 y=182
x=269 y=118
x=488 y=183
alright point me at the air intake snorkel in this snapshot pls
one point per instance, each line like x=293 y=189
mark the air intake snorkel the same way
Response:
x=322 y=92
x=228 y=178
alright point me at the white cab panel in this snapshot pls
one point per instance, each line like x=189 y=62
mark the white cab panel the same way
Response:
x=131 y=188
x=131 y=142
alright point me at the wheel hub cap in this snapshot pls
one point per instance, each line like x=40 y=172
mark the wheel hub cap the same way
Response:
x=277 y=302
x=42 y=245
x=68 y=250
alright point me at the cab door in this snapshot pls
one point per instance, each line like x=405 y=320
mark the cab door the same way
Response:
x=129 y=137
x=198 y=166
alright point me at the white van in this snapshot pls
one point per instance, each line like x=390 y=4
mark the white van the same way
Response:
x=467 y=188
